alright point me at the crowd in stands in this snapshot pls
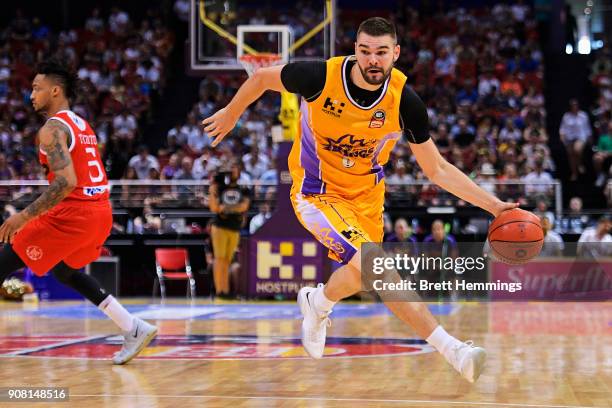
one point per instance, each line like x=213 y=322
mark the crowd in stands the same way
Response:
x=120 y=64
x=601 y=112
x=480 y=74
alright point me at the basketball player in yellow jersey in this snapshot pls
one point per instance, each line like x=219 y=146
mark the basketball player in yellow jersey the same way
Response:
x=353 y=111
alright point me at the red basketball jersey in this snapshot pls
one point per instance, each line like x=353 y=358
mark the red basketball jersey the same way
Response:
x=92 y=184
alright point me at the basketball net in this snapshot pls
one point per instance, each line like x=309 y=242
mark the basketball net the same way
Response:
x=252 y=62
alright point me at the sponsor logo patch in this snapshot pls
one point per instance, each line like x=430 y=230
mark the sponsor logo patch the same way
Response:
x=333 y=107
x=92 y=191
x=378 y=119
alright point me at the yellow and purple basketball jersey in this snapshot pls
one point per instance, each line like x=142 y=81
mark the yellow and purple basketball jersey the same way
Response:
x=337 y=160
x=341 y=146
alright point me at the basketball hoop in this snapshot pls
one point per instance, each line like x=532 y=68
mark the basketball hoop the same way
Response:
x=252 y=62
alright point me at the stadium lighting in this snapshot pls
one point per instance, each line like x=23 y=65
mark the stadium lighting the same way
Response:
x=584 y=45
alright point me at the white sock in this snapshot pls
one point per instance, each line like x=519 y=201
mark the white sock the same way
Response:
x=117 y=313
x=441 y=340
x=321 y=302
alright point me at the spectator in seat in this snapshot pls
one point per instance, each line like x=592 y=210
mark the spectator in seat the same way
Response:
x=270 y=179
x=541 y=209
x=402 y=232
x=125 y=125
x=265 y=212
x=512 y=191
x=203 y=165
x=575 y=221
x=442 y=140
x=171 y=168
x=401 y=180
x=143 y=162
x=94 y=23
x=186 y=170
x=176 y=136
x=575 y=131
x=196 y=138
x=487 y=83
x=254 y=163
x=486 y=178
x=538 y=181
x=602 y=159
x=511 y=86
x=596 y=242
x=463 y=133
x=553 y=242
x=444 y=66
x=439 y=244
x=510 y=131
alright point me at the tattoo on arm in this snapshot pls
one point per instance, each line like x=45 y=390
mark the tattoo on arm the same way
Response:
x=57 y=155
x=54 y=144
x=57 y=191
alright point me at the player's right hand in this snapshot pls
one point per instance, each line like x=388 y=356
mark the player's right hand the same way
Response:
x=11 y=226
x=219 y=125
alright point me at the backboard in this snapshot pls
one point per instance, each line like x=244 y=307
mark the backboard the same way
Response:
x=220 y=31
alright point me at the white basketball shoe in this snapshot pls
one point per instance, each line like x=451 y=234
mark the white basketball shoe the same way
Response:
x=135 y=340
x=314 y=325
x=467 y=359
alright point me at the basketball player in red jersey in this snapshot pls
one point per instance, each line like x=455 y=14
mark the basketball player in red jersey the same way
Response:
x=64 y=229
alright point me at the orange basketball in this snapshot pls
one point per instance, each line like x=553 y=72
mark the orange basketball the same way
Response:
x=516 y=236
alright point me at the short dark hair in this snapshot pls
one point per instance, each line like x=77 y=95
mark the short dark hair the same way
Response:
x=377 y=27
x=60 y=73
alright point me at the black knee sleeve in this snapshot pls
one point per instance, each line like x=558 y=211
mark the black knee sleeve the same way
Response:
x=9 y=262
x=82 y=283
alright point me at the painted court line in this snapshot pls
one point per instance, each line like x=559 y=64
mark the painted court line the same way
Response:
x=323 y=399
x=51 y=346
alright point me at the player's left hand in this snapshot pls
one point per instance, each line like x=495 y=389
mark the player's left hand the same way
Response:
x=219 y=125
x=502 y=206
x=11 y=226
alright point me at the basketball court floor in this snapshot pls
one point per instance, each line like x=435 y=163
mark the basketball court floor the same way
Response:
x=249 y=355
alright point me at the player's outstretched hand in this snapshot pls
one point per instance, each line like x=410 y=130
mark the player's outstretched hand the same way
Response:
x=219 y=125
x=11 y=226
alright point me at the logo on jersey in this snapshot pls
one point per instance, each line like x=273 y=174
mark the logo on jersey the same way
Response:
x=348 y=163
x=80 y=123
x=378 y=119
x=352 y=234
x=350 y=146
x=92 y=191
x=325 y=236
x=231 y=197
x=333 y=107
x=34 y=252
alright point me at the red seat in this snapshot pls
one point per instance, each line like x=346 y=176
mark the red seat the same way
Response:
x=173 y=264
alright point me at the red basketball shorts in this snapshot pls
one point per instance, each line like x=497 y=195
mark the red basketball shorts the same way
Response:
x=72 y=231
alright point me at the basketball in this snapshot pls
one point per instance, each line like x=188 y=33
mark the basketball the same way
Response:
x=516 y=236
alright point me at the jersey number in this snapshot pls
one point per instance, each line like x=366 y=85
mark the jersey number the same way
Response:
x=96 y=164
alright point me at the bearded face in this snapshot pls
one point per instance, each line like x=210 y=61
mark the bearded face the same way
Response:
x=376 y=56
